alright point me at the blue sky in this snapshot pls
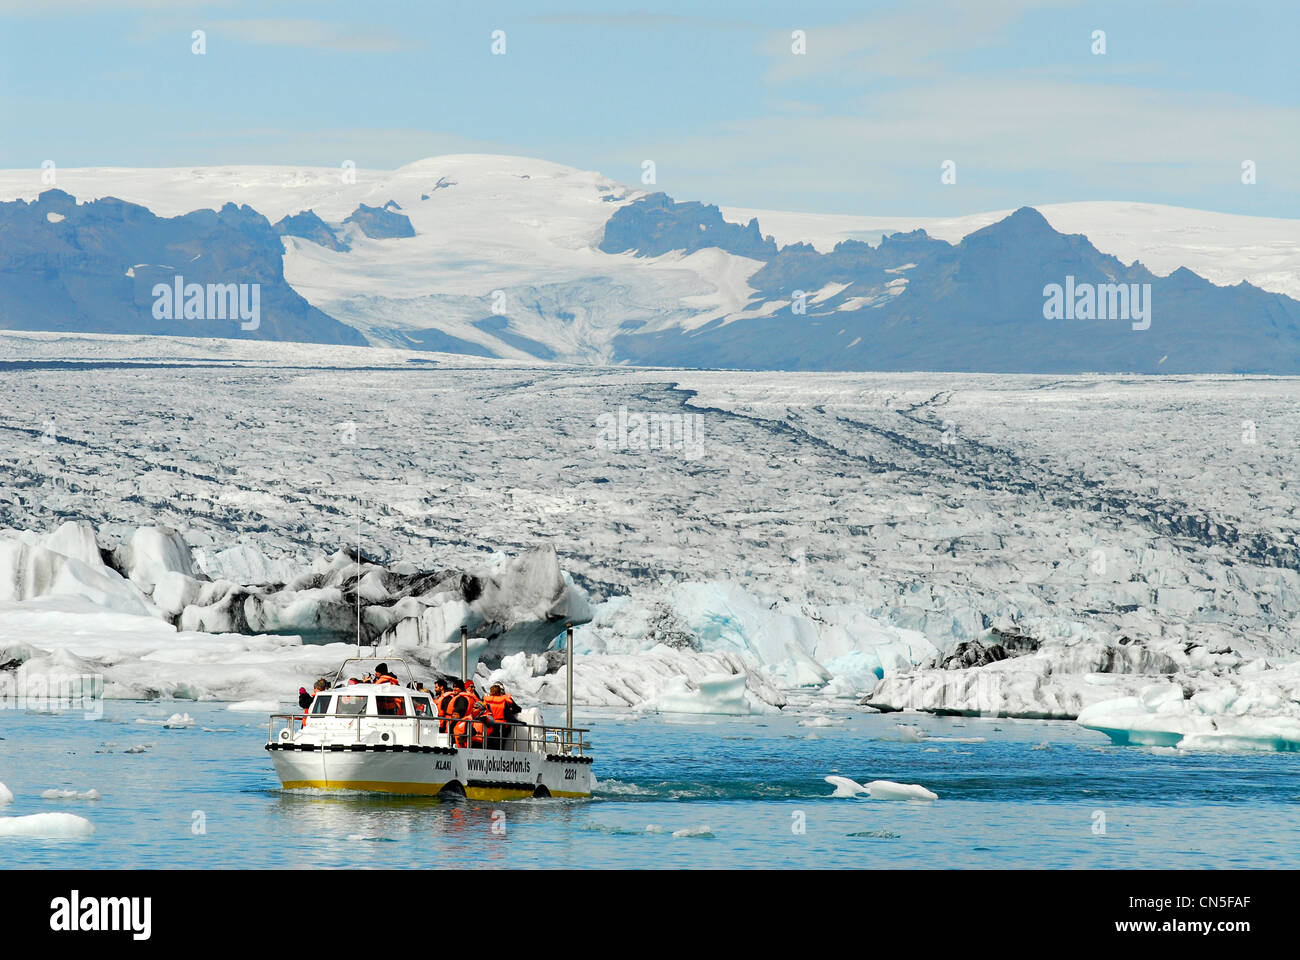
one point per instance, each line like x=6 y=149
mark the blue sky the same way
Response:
x=861 y=123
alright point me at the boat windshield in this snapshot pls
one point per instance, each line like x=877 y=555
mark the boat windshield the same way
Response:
x=390 y=706
x=321 y=704
x=351 y=706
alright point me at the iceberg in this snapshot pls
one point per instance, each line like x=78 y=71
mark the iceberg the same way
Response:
x=888 y=790
x=47 y=826
x=879 y=789
x=844 y=787
x=722 y=694
x=1260 y=711
x=91 y=794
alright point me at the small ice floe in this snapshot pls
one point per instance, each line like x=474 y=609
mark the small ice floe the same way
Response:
x=909 y=734
x=1041 y=746
x=819 y=722
x=653 y=828
x=693 y=832
x=955 y=740
x=47 y=826
x=1166 y=751
x=880 y=789
x=217 y=729
x=888 y=790
x=91 y=794
x=138 y=748
x=844 y=787
x=361 y=836
x=178 y=721
x=254 y=706
x=5 y=795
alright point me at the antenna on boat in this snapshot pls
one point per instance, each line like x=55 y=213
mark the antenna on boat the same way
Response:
x=568 y=696
x=464 y=652
x=358 y=587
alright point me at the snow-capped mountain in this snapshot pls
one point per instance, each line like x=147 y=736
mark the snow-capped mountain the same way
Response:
x=524 y=259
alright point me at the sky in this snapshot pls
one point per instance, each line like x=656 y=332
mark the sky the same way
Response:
x=862 y=122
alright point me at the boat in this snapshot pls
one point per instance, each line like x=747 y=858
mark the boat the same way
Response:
x=388 y=738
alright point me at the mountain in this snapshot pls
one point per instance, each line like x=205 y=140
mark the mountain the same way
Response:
x=522 y=259
x=98 y=267
x=916 y=303
x=309 y=226
x=655 y=225
x=381 y=223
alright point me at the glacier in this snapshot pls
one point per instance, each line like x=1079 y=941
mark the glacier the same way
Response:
x=840 y=538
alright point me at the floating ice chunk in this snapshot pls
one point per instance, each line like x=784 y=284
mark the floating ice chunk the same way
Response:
x=693 y=832
x=75 y=539
x=30 y=572
x=247 y=564
x=152 y=552
x=138 y=748
x=844 y=787
x=909 y=734
x=178 y=721
x=91 y=794
x=254 y=706
x=722 y=694
x=819 y=722
x=47 y=826
x=888 y=790
x=174 y=592
x=956 y=740
x=654 y=828
x=1229 y=718
x=6 y=796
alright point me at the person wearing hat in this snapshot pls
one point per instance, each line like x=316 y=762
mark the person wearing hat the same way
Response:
x=383 y=676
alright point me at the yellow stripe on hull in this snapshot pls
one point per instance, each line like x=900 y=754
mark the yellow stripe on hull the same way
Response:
x=497 y=793
x=375 y=786
x=425 y=789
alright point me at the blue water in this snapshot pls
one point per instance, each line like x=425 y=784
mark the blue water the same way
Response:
x=1027 y=797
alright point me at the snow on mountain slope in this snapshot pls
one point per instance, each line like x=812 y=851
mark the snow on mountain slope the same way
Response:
x=526 y=228
x=504 y=262
x=1224 y=248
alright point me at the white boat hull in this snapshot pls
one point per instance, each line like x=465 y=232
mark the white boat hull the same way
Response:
x=474 y=773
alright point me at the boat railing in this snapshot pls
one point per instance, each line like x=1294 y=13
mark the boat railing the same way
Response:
x=522 y=737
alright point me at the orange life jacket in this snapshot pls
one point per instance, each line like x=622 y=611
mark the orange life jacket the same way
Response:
x=462 y=737
x=470 y=732
x=482 y=726
x=497 y=703
x=385 y=678
x=444 y=708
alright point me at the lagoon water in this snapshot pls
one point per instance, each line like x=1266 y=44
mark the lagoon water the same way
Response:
x=740 y=792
